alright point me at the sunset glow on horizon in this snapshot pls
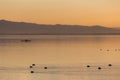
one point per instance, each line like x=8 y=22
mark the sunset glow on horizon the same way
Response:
x=73 y=12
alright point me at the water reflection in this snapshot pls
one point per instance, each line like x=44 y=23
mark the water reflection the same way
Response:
x=79 y=71
x=61 y=50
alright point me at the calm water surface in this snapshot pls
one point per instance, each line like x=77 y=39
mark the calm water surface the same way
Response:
x=65 y=56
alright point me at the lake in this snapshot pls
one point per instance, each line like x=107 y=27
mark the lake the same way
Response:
x=65 y=56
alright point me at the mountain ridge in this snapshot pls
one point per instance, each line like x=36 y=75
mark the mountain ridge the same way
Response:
x=24 y=28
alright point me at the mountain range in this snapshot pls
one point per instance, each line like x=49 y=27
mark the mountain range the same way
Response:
x=23 y=28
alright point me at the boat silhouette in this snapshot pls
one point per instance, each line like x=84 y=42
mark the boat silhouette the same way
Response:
x=26 y=40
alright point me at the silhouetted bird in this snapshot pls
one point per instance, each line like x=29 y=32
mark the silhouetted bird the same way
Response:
x=99 y=68
x=45 y=68
x=31 y=67
x=100 y=49
x=88 y=66
x=32 y=72
x=33 y=64
x=109 y=64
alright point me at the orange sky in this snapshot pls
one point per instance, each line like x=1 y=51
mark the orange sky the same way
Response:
x=81 y=12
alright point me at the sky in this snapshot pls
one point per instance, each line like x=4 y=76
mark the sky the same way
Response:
x=73 y=12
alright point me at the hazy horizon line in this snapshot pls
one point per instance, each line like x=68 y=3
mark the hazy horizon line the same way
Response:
x=27 y=22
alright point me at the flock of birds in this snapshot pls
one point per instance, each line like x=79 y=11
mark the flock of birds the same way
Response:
x=109 y=50
x=50 y=68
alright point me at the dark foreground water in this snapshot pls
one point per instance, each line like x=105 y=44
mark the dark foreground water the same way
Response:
x=66 y=57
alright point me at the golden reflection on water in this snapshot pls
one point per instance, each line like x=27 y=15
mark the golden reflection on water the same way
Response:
x=97 y=51
x=59 y=49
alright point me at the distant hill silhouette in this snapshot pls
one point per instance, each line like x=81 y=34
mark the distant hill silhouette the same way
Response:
x=9 y=27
